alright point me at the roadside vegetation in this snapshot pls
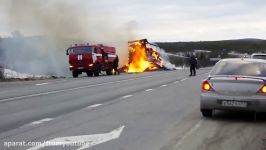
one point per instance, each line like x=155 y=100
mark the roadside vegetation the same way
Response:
x=243 y=46
x=217 y=49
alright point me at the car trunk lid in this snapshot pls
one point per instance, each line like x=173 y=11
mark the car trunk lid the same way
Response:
x=236 y=86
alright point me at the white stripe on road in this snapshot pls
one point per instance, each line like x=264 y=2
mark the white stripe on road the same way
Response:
x=148 y=90
x=183 y=80
x=127 y=96
x=193 y=129
x=41 y=121
x=41 y=84
x=164 y=85
x=66 y=90
x=60 y=81
x=94 y=106
x=176 y=82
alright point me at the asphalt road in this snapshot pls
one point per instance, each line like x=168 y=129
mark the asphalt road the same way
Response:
x=147 y=111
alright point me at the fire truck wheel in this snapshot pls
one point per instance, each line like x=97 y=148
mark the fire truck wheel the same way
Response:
x=75 y=74
x=108 y=72
x=96 y=73
x=97 y=69
x=89 y=73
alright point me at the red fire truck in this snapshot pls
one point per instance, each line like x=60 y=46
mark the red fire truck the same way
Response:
x=91 y=59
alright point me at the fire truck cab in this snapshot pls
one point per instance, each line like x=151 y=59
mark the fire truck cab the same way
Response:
x=91 y=59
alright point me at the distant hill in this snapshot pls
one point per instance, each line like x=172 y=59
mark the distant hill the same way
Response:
x=248 y=45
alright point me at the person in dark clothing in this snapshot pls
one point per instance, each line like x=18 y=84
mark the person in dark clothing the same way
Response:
x=104 y=55
x=193 y=64
x=1 y=73
x=115 y=65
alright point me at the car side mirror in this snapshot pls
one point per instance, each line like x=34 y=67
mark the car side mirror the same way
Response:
x=67 y=53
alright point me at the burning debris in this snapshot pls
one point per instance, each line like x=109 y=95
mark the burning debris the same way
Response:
x=145 y=56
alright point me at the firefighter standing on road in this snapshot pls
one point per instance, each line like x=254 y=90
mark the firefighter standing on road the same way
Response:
x=193 y=64
x=115 y=65
x=1 y=72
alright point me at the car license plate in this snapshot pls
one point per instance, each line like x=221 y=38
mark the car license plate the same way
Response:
x=228 y=103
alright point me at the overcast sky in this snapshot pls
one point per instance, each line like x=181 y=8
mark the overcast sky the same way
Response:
x=161 y=20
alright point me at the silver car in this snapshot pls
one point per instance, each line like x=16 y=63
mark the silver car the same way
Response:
x=235 y=84
x=258 y=56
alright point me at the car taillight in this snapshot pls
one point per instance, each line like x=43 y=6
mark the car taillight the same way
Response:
x=263 y=89
x=206 y=86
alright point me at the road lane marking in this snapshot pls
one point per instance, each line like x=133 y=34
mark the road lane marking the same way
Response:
x=127 y=96
x=94 y=106
x=183 y=80
x=176 y=82
x=42 y=84
x=67 y=90
x=60 y=81
x=41 y=121
x=86 y=141
x=165 y=85
x=193 y=129
x=148 y=90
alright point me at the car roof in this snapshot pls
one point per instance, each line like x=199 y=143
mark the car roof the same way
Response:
x=261 y=54
x=243 y=59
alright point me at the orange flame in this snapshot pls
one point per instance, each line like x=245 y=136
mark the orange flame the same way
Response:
x=138 y=58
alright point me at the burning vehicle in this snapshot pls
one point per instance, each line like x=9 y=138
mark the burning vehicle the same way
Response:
x=145 y=56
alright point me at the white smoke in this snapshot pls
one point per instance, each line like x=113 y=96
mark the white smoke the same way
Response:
x=50 y=26
x=166 y=62
x=164 y=56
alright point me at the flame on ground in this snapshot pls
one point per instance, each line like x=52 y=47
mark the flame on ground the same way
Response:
x=142 y=58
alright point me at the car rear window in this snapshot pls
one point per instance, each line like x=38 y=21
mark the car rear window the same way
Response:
x=259 y=56
x=243 y=68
